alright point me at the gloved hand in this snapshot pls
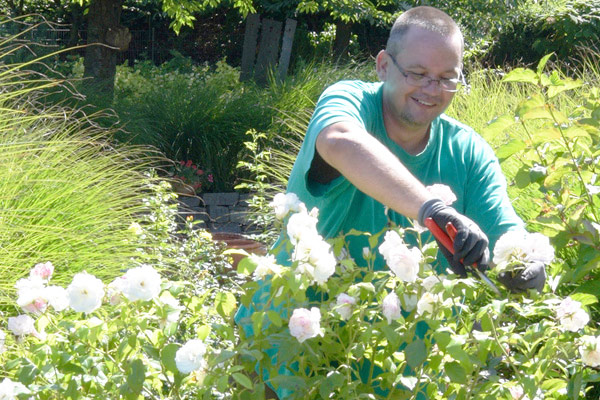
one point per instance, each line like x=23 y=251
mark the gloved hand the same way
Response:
x=470 y=243
x=529 y=276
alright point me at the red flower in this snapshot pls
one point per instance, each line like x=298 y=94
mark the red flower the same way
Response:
x=188 y=163
x=194 y=167
x=199 y=172
x=182 y=163
x=210 y=178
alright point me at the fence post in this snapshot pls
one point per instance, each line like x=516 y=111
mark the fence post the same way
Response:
x=249 y=50
x=286 y=48
x=268 y=50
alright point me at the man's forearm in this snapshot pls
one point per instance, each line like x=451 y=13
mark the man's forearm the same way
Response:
x=372 y=168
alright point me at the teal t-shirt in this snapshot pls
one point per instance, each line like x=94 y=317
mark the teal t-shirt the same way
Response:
x=455 y=156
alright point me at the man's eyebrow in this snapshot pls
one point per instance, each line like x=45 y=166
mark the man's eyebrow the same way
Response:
x=419 y=66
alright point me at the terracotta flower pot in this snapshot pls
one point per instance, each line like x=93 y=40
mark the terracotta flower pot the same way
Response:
x=238 y=241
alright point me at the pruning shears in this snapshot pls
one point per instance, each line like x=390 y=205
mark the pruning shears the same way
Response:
x=447 y=240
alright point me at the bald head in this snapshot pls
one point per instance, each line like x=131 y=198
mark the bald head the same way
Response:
x=429 y=18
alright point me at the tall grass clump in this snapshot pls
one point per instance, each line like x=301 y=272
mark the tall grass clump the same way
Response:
x=201 y=115
x=67 y=194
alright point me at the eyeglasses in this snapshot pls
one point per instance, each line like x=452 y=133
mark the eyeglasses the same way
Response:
x=420 y=80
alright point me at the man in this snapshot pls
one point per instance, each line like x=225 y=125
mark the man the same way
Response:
x=375 y=145
x=370 y=147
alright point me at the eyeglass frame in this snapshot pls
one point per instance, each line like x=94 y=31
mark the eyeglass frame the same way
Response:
x=424 y=78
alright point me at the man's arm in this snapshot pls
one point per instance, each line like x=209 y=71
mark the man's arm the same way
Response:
x=371 y=167
x=377 y=172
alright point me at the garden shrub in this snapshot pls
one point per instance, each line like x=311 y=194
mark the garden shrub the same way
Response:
x=535 y=30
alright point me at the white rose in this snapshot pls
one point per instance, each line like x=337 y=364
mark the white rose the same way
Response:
x=427 y=302
x=9 y=390
x=305 y=324
x=42 y=270
x=302 y=224
x=517 y=392
x=344 y=305
x=571 y=315
x=391 y=307
x=21 y=325
x=57 y=296
x=429 y=282
x=522 y=246
x=190 y=357
x=323 y=260
x=282 y=204
x=30 y=294
x=141 y=283
x=316 y=260
x=590 y=350
x=85 y=293
x=265 y=265
x=403 y=262
x=442 y=192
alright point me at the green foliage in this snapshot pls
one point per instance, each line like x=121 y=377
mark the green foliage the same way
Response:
x=206 y=125
x=476 y=346
x=556 y=150
x=532 y=31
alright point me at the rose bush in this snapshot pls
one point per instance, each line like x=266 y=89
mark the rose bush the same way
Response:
x=409 y=332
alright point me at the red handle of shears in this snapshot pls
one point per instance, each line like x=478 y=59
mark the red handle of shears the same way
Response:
x=447 y=240
x=440 y=235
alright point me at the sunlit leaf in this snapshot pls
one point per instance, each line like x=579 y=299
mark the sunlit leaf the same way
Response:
x=521 y=75
x=510 y=148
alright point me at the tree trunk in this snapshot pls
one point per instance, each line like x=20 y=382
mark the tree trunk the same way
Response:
x=343 y=31
x=100 y=61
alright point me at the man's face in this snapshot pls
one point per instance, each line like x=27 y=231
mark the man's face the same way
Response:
x=426 y=53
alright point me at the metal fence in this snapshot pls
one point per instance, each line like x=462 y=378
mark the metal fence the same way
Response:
x=143 y=43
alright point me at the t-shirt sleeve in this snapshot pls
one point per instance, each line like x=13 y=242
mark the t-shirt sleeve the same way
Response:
x=487 y=202
x=339 y=103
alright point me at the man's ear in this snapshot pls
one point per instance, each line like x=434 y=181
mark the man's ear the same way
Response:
x=382 y=65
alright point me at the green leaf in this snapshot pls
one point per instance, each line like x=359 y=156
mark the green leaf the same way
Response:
x=574 y=386
x=532 y=105
x=510 y=148
x=456 y=372
x=167 y=357
x=521 y=75
x=416 y=353
x=498 y=126
x=243 y=380
x=275 y=318
x=523 y=178
x=202 y=332
x=584 y=298
x=333 y=381
x=542 y=64
x=565 y=84
x=576 y=131
x=246 y=266
x=135 y=379
x=225 y=304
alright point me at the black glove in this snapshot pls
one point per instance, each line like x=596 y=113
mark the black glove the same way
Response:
x=529 y=276
x=470 y=243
